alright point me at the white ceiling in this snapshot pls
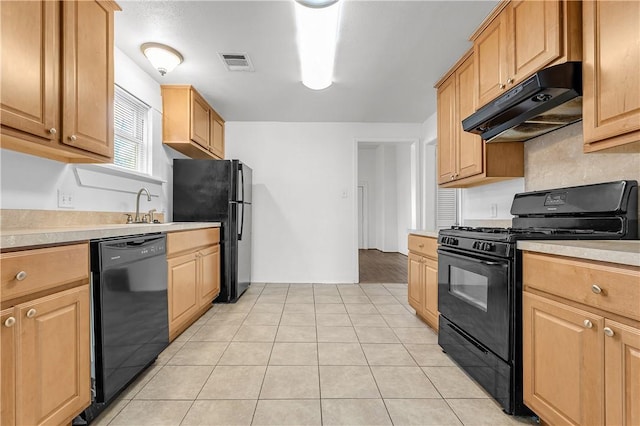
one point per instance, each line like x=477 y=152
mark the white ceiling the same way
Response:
x=389 y=55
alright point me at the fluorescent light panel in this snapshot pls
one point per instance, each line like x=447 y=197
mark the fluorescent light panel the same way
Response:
x=317 y=39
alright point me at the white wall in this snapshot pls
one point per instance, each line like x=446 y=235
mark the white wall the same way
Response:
x=304 y=230
x=428 y=166
x=29 y=182
x=477 y=201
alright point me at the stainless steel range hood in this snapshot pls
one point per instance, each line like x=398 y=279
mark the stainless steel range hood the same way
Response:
x=546 y=101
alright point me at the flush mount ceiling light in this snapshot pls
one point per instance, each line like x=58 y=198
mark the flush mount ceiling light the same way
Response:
x=162 y=57
x=317 y=23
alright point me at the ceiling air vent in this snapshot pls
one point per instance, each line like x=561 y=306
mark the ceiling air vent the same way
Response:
x=236 y=61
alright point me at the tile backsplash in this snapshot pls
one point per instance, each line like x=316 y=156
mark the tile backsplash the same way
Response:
x=557 y=160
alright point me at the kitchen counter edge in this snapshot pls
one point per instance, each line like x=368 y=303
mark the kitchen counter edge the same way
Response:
x=624 y=252
x=424 y=233
x=19 y=238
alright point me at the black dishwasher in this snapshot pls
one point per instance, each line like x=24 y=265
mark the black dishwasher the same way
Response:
x=130 y=311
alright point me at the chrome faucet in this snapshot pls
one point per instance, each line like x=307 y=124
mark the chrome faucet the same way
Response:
x=137 y=218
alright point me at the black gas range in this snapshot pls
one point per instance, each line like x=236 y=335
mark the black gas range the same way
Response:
x=480 y=276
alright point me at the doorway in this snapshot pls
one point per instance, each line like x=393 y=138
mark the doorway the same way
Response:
x=387 y=204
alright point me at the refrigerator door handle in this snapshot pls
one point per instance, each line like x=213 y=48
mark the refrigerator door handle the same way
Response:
x=241 y=223
x=242 y=183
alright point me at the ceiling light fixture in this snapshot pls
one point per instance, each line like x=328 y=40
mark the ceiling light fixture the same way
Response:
x=317 y=22
x=162 y=57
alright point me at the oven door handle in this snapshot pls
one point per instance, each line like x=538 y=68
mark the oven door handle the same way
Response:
x=472 y=259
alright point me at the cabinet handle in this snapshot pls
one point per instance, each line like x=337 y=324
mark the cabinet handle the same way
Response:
x=587 y=324
x=73 y=138
x=502 y=86
x=510 y=80
x=452 y=176
x=608 y=332
x=21 y=275
x=9 y=322
x=31 y=313
x=53 y=131
x=596 y=289
x=420 y=245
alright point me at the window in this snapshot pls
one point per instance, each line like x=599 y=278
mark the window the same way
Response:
x=131 y=123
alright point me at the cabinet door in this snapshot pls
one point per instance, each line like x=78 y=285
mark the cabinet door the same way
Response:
x=622 y=374
x=53 y=358
x=216 y=139
x=563 y=356
x=490 y=60
x=535 y=28
x=87 y=95
x=199 y=120
x=611 y=105
x=415 y=282
x=209 y=274
x=447 y=131
x=8 y=335
x=29 y=55
x=430 y=282
x=183 y=289
x=470 y=146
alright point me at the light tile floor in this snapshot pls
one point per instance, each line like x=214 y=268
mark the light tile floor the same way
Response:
x=305 y=354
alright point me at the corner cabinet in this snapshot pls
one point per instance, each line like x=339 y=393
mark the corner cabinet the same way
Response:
x=611 y=75
x=463 y=158
x=423 y=278
x=521 y=37
x=193 y=259
x=57 y=79
x=189 y=124
x=593 y=308
x=45 y=334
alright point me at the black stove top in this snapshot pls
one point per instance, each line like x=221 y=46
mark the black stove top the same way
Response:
x=514 y=234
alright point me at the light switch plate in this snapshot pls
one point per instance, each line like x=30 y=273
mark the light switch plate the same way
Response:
x=65 y=199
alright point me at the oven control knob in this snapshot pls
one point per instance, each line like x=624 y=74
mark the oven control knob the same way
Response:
x=475 y=245
x=454 y=241
x=487 y=246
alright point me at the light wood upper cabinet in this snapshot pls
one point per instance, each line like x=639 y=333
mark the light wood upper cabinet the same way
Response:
x=57 y=79
x=593 y=377
x=199 y=120
x=490 y=58
x=463 y=158
x=87 y=96
x=189 y=124
x=216 y=139
x=521 y=37
x=611 y=75
x=30 y=60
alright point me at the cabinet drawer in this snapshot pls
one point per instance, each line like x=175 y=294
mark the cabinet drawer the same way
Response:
x=43 y=269
x=181 y=241
x=617 y=291
x=425 y=245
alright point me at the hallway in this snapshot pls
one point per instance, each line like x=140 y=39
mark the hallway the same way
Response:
x=379 y=267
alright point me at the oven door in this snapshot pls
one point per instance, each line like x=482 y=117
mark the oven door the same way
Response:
x=474 y=294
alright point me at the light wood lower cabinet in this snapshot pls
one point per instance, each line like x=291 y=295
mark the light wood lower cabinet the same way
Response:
x=193 y=259
x=46 y=358
x=423 y=278
x=581 y=348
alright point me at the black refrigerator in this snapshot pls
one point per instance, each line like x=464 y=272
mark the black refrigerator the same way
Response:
x=219 y=191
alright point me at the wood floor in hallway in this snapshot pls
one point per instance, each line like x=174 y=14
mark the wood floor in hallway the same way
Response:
x=379 y=267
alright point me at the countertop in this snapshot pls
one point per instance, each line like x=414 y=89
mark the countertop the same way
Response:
x=624 y=252
x=424 y=233
x=15 y=238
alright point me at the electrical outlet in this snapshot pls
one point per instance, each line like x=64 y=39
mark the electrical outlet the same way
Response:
x=65 y=199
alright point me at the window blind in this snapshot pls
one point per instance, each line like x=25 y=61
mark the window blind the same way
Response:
x=447 y=212
x=130 y=131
